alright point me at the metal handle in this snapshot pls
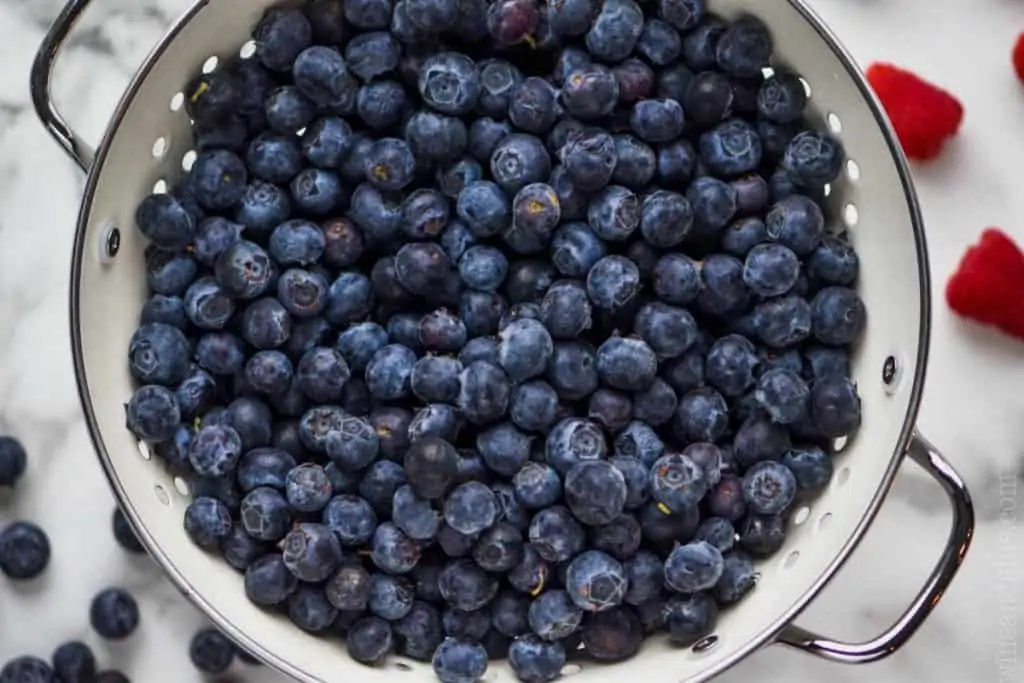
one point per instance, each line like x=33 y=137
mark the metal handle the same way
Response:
x=42 y=70
x=924 y=454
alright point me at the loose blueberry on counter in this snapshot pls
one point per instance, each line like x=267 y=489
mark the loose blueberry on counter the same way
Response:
x=26 y=669
x=114 y=614
x=211 y=651
x=13 y=460
x=24 y=551
x=73 y=662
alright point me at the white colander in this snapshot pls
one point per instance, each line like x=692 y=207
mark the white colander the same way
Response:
x=145 y=144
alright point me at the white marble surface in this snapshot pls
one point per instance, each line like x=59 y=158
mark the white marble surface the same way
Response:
x=973 y=406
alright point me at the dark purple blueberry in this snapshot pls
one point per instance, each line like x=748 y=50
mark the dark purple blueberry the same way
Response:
x=759 y=439
x=690 y=618
x=612 y=635
x=533 y=105
x=611 y=409
x=762 y=536
x=511 y=22
x=369 y=640
x=368 y=14
x=835 y=406
x=635 y=80
x=484 y=135
x=724 y=293
x=726 y=499
x=677 y=279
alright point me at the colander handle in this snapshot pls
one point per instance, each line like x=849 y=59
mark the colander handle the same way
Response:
x=927 y=457
x=42 y=70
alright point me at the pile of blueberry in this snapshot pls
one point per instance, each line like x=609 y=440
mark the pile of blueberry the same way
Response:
x=488 y=329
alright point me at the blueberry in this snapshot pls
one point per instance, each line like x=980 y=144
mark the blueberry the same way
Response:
x=759 y=438
x=731 y=148
x=152 y=414
x=471 y=625
x=264 y=467
x=419 y=632
x=484 y=135
x=690 y=618
x=73 y=662
x=575 y=248
x=537 y=486
x=369 y=640
x=726 y=499
x=702 y=415
x=534 y=660
x=613 y=282
x=280 y=36
x=309 y=609
x=783 y=322
x=555 y=534
x=352 y=518
x=731 y=363
x=783 y=395
x=503 y=448
x=686 y=372
x=431 y=465
x=677 y=279
x=615 y=31
x=620 y=538
x=216 y=234
x=684 y=15
x=27 y=669
x=796 y=222
x=724 y=293
x=483 y=268
x=833 y=262
x=159 y=354
x=308 y=487
x=449 y=83
x=838 y=316
x=763 y=536
x=499 y=549
x=676 y=162
x=435 y=420
x=646 y=576
x=553 y=615
x=316 y=192
x=743 y=235
x=498 y=80
x=169 y=272
x=465 y=586
x=595 y=492
x=666 y=219
x=441 y=331
x=811 y=466
x=589 y=160
x=391 y=597
x=373 y=54
x=211 y=651
x=163 y=219
x=24 y=551
x=589 y=91
x=518 y=160
x=114 y=614
x=524 y=349
x=744 y=48
x=533 y=105
x=813 y=159
x=276 y=159
x=459 y=661
x=657 y=120
x=207 y=522
x=659 y=43
x=436 y=379
x=782 y=98
x=656 y=404
x=125 y=535
x=470 y=508
x=639 y=440
x=265 y=514
x=368 y=14
x=382 y=104
x=738 y=577
x=626 y=363
x=533 y=406
x=612 y=635
x=572 y=441
x=485 y=390
x=388 y=372
x=693 y=567
x=835 y=406
x=169 y=310
x=510 y=22
x=668 y=331
x=677 y=482
x=218 y=179
x=389 y=164
x=611 y=409
x=713 y=202
x=635 y=164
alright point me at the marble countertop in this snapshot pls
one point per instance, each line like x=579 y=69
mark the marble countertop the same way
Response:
x=974 y=634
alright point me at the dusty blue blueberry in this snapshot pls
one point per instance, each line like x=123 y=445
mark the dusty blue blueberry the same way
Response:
x=164 y=219
x=613 y=282
x=811 y=466
x=207 y=522
x=159 y=354
x=535 y=660
x=738 y=577
x=702 y=415
x=797 y=222
x=553 y=615
x=783 y=322
x=693 y=567
x=835 y=406
x=639 y=440
x=459 y=661
x=595 y=492
x=813 y=159
x=555 y=534
x=574 y=440
x=783 y=395
x=615 y=30
x=265 y=514
x=838 y=315
x=169 y=272
x=769 y=488
x=596 y=581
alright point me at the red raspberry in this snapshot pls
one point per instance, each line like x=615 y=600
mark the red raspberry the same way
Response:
x=988 y=285
x=1018 y=56
x=923 y=114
